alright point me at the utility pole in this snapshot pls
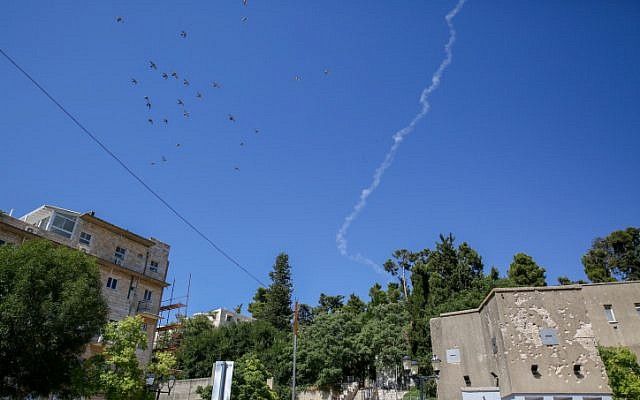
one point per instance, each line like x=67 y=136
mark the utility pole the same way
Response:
x=295 y=348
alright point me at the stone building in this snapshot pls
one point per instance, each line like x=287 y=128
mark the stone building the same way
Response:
x=536 y=343
x=222 y=316
x=133 y=269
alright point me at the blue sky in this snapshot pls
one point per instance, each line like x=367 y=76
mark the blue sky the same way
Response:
x=531 y=144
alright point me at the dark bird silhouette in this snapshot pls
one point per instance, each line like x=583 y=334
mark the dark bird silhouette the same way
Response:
x=134 y=81
x=236 y=168
x=244 y=2
x=241 y=144
x=166 y=121
x=216 y=85
x=185 y=82
x=183 y=34
x=199 y=95
x=174 y=74
x=120 y=19
x=178 y=145
x=148 y=102
x=186 y=114
x=256 y=130
x=164 y=75
x=327 y=71
x=164 y=159
x=244 y=19
x=148 y=105
x=153 y=163
x=150 y=120
x=152 y=65
x=231 y=117
x=297 y=78
x=180 y=103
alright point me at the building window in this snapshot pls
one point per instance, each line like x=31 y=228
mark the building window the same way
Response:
x=154 y=266
x=85 y=238
x=112 y=283
x=229 y=318
x=43 y=223
x=637 y=305
x=147 y=295
x=63 y=224
x=118 y=257
x=2 y=242
x=608 y=312
x=534 y=398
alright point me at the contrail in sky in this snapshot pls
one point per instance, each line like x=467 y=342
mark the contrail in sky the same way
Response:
x=398 y=137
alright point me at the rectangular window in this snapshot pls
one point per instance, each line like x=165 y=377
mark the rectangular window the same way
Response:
x=43 y=223
x=144 y=327
x=637 y=305
x=118 y=257
x=154 y=266
x=2 y=242
x=608 y=312
x=112 y=283
x=63 y=224
x=229 y=318
x=85 y=238
x=562 y=398
x=147 y=294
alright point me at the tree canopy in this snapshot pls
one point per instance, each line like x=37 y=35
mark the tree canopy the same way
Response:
x=524 y=271
x=273 y=304
x=615 y=257
x=51 y=306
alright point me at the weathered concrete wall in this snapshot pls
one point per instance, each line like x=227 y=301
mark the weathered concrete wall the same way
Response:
x=185 y=389
x=622 y=297
x=522 y=315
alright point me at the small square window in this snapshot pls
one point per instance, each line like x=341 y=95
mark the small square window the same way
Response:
x=85 y=238
x=229 y=318
x=147 y=295
x=608 y=312
x=153 y=266
x=112 y=283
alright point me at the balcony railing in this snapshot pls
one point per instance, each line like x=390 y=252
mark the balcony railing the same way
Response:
x=145 y=306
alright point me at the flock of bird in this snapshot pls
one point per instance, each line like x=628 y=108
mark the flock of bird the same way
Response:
x=152 y=66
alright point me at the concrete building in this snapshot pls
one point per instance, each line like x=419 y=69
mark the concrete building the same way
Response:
x=536 y=343
x=222 y=316
x=133 y=269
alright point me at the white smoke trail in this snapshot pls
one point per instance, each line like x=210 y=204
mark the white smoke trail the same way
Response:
x=398 y=137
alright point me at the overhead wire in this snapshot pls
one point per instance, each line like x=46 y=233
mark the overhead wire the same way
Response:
x=130 y=171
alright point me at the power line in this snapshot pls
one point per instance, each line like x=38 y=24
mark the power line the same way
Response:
x=133 y=174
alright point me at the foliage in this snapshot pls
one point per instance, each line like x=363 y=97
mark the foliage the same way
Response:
x=273 y=304
x=623 y=372
x=51 y=306
x=616 y=256
x=250 y=380
x=204 y=392
x=329 y=304
x=116 y=370
x=523 y=271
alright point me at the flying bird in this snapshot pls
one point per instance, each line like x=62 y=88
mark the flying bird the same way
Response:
x=244 y=2
x=327 y=71
x=297 y=78
x=241 y=144
x=152 y=65
x=199 y=95
x=256 y=130
x=148 y=102
x=183 y=34
x=164 y=159
x=153 y=163
x=166 y=121
x=150 y=120
x=178 y=145
x=231 y=117
x=185 y=82
x=120 y=19
x=216 y=85
x=174 y=74
x=180 y=103
x=186 y=114
x=244 y=19
x=164 y=75
x=236 y=168
x=134 y=81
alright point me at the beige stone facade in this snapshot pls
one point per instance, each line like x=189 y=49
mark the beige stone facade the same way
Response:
x=133 y=269
x=536 y=343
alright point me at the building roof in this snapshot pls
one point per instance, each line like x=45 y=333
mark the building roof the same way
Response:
x=530 y=289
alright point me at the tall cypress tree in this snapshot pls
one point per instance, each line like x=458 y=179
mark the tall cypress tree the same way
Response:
x=274 y=303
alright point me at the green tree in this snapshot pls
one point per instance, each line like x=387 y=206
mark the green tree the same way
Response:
x=623 y=372
x=273 y=304
x=524 y=271
x=329 y=304
x=50 y=307
x=117 y=370
x=250 y=380
x=616 y=256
